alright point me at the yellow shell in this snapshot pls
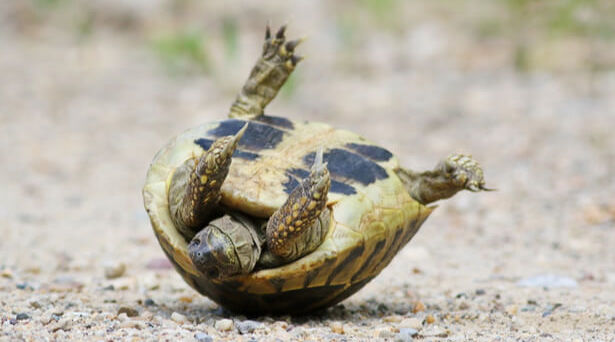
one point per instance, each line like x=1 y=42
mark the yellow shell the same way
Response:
x=372 y=215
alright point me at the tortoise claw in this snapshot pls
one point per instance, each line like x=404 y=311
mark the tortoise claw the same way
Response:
x=281 y=31
x=291 y=45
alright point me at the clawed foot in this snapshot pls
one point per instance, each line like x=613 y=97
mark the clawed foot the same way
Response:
x=464 y=172
x=268 y=75
x=276 y=49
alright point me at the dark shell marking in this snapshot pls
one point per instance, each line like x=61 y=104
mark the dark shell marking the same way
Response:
x=349 y=165
x=276 y=121
x=206 y=143
x=258 y=136
x=295 y=175
x=356 y=164
x=372 y=152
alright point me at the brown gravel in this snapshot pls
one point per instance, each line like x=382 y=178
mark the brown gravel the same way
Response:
x=87 y=97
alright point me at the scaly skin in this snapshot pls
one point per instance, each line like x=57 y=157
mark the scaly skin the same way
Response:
x=268 y=75
x=194 y=192
x=455 y=173
x=295 y=230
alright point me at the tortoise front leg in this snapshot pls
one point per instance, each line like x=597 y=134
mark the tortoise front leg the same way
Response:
x=299 y=226
x=194 y=191
x=272 y=69
x=451 y=175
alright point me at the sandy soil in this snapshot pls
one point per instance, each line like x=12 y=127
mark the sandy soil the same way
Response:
x=83 y=110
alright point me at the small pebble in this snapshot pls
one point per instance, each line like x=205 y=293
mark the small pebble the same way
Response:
x=548 y=281
x=6 y=273
x=248 y=326
x=384 y=333
x=130 y=312
x=405 y=334
x=512 y=309
x=418 y=307
x=224 y=324
x=412 y=322
x=203 y=337
x=22 y=316
x=131 y=323
x=115 y=270
x=435 y=331
x=392 y=319
x=149 y=302
x=178 y=318
x=337 y=327
x=480 y=292
x=430 y=319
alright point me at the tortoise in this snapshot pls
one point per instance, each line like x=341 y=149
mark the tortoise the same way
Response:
x=265 y=215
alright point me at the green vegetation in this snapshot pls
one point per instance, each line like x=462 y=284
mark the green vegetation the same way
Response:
x=183 y=52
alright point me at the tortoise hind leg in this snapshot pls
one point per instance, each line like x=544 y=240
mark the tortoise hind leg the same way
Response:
x=299 y=226
x=268 y=75
x=194 y=191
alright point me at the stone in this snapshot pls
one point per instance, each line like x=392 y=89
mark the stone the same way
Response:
x=130 y=312
x=224 y=324
x=203 y=337
x=179 y=318
x=412 y=322
x=392 y=319
x=22 y=316
x=337 y=327
x=418 y=307
x=132 y=323
x=247 y=326
x=405 y=334
x=548 y=281
x=114 y=270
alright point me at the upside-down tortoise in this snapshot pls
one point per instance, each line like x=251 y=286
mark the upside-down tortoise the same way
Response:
x=267 y=215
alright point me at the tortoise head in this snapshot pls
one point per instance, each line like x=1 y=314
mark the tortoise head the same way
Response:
x=226 y=247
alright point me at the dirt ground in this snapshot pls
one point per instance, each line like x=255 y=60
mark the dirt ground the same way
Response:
x=89 y=92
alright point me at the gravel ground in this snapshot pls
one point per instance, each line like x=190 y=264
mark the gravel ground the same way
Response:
x=89 y=94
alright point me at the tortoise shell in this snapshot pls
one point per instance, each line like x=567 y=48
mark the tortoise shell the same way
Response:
x=372 y=214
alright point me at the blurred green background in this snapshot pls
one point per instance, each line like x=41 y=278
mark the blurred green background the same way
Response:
x=189 y=36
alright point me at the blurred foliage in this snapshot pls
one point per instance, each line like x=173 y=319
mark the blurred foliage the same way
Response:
x=48 y=4
x=289 y=89
x=532 y=34
x=183 y=52
x=230 y=34
x=382 y=10
x=566 y=17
